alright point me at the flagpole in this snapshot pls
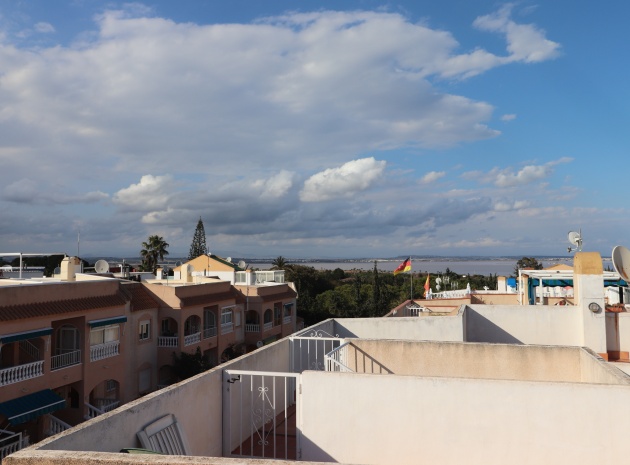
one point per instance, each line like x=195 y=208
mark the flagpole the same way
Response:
x=411 y=276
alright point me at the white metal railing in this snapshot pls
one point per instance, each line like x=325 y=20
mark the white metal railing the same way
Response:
x=269 y=276
x=105 y=405
x=65 y=360
x=309 y=351
x=210 y=332
x=268 y=326
x=252 y=328
x=21 y=372
x=337 y=358
x=287 y=320
x=106 y=350
x=168 y=341
x=192 y=339
x=13 y=443
x=30 y=349
x=227 y=328
x=57 y=425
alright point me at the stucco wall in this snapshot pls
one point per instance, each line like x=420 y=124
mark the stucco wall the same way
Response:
x=353 y=418
x=431 y=328
x=516 y=324
x=196 y=404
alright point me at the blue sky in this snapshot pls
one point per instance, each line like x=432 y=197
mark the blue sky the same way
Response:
x=310 y=129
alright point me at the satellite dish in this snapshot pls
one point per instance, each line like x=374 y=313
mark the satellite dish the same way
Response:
x=178 y=263
x=575 y=238
x=229 y=259
x=259 y=344
x=242 y=264
x=438 y=280
x=621 y=262
x=101 y=266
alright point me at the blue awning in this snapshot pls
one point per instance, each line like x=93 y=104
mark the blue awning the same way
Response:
x=107 y=321
x=8 y=338
x=31 y=406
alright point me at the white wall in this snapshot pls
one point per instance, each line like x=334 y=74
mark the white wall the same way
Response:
x=537 y=324
x=353 y=418
x=429 y=328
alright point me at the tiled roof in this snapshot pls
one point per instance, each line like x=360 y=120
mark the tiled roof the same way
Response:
x=39 y=309
x=290 y=294
x=141 y=298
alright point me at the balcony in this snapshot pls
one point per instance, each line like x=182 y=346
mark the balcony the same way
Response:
x=252 y=328
x=12 y=442
x=191 y=339
x=65 y=360
x=268 y=326
x=287 y=320
x=210 y=332
x=101 y=351
x=168 y=341
x=227 y=328
x=21 y=372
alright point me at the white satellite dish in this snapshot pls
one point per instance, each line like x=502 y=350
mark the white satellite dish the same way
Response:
x=438 y=280
x=575 y=238
x=621 y=262
x=101 y=266
x=242 y=264
x=259 y=344
x=229 y=259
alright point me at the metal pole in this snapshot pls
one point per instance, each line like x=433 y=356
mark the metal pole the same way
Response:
x=411 y=276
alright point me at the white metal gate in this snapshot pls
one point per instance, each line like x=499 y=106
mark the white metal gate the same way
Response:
x=260 y=415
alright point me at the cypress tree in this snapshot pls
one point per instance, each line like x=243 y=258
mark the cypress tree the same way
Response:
x=198 y=246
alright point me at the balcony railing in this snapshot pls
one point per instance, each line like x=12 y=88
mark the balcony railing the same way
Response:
x=210 y=332
x=252 y=328
x=65 y=360
x=337 y=358
x=12 y=443
x=101 y=351
x=268 y=326
x=287 y=320
x=227 y=328
x=192 y=339
x=57 y=426
x=21 y=372
x=168 y=341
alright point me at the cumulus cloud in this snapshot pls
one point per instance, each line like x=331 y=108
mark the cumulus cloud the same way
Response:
x=151 y=193
x=349 y=179
x=507 y=177
x=432 y=176
x=275 y=186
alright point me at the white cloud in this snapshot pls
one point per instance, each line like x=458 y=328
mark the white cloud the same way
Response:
x=507 y=177
x=27 y=191
x=525 y=42
x=275 y=186
x=44 y=28
x=349 y=179
x=432 y=176
x=508 y=117
x=151 y=193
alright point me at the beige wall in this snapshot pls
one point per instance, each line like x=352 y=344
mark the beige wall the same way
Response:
x=536 y=324
x=353 y=418
x=434 y=328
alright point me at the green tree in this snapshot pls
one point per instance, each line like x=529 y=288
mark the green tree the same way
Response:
x=527 y=262
x=198 y=246
x=278 y=263
x=153 y=249
x=188 y=365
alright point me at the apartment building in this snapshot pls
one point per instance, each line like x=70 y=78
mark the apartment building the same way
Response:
x=488 y=384
x=76 y=346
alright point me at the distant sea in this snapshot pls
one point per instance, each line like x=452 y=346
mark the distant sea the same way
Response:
x=501 y=267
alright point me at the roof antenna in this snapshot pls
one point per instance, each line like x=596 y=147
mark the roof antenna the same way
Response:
x=575 y=238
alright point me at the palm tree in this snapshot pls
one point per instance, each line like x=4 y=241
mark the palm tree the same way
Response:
x=152 y=250
x=278 y=263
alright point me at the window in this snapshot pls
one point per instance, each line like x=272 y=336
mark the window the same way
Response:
x=288 y=308
x=110 y=385
x=277 y=313
x=144 y=330
x=104 y=334
x=226 y=316
x=208 y=317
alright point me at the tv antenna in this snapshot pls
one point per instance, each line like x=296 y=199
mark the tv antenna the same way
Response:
x=101 y=266
x=575 y=238
x=621 y=262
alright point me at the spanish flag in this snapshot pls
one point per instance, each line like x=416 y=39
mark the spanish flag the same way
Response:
x=427 y=285
x=404 y=266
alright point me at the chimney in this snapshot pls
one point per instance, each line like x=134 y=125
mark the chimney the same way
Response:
x=67 y=269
